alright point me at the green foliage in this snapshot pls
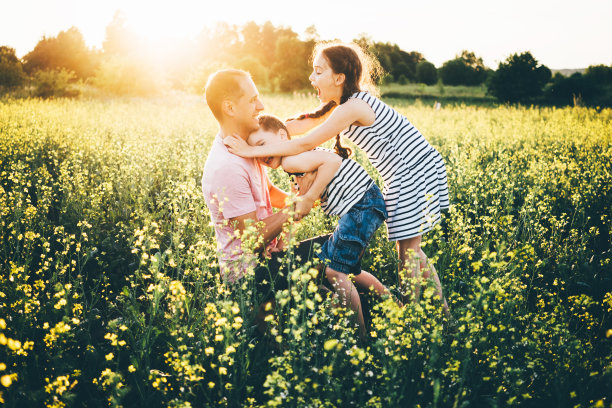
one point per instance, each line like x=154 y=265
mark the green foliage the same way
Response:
x=54 y=83
x=576 y=89
x=600 y=74
x=466 y=69
x=518 y=79
x=291 y=69
x=66 y=51
x=426 y=73
x=110 y=292
x=11 y=70
x=125 y=76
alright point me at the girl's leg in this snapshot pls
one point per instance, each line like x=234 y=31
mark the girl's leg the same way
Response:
x=347 y=293
x=416 y=263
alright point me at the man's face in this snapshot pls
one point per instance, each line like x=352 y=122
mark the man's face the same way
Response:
x=247 y=108
x=263 y=137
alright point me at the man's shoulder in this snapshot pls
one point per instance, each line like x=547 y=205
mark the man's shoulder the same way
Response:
x=223 y=166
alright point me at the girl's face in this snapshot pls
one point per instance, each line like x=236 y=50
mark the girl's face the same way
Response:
x=327 y=83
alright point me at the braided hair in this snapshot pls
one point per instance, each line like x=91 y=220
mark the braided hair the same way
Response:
x=360 y=72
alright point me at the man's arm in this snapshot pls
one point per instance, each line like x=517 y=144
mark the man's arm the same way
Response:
x=267 y=228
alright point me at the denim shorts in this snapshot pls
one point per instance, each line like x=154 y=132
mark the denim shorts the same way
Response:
x=344 y=249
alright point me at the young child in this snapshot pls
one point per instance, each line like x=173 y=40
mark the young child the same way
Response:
x=351 y=194
x=413 y=171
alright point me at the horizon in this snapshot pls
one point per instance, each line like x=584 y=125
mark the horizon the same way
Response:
x=557 y=41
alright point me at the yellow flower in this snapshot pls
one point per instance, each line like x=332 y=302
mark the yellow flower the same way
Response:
x=109 y=356
x=131 y=368
x=6 y=380
x=330 y=344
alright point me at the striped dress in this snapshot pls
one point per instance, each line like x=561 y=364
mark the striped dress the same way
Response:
x=414 y=175
x=345 y=189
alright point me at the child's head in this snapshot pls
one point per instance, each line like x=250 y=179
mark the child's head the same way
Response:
x=359 y=69
x=271 y=130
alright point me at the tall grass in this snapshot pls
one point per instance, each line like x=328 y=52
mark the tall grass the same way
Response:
x=110 y=293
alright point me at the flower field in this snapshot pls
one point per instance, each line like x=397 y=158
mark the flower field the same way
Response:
x=110 y=293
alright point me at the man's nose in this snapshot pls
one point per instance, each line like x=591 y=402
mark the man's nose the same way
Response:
x=260 y=105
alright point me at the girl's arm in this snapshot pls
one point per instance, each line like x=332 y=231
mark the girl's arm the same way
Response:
x=352 y=111
x=326 y=164
x=301 y=126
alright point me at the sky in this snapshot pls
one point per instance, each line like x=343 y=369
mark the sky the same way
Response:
x=559 y=34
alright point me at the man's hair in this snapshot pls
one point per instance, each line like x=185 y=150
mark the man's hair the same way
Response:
x=271 y=123
x=222 y=85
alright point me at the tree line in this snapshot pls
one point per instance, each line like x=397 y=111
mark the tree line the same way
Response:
x=278 y=60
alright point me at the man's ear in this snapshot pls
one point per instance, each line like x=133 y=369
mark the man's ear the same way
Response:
x=227 y=106
x=340 y=79
x=283 y=134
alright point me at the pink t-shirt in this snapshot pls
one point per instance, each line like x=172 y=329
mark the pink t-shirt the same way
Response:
x=233 y=186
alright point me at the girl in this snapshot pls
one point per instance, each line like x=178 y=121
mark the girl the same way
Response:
x=414 y=174
x=349 y=192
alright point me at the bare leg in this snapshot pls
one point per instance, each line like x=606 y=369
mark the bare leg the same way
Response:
x=367 y=281
x=347 y=293
x=414 y=259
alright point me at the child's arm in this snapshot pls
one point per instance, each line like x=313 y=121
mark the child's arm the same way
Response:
x=326 y=164
x=352 y=111
x=301 y=126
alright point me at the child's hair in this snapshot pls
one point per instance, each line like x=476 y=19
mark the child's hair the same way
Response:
x=271 y=123
x=360 y=70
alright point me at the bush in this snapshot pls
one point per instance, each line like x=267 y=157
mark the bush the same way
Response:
x=465 y=69
x=518 y=79
x=123 y=76
x=196 y=79
x=426 y=73
x=569 y=90
x=402 y=80
x=11 y=71
x=55 y=83
x=258 y=72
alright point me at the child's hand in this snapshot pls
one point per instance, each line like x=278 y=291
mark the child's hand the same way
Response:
x=303 y=183
x=237 y=145
x=304 y=205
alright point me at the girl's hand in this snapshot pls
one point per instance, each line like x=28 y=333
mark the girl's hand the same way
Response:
x=237 y=146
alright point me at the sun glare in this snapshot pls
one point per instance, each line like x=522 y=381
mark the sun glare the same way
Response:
x=158 y=22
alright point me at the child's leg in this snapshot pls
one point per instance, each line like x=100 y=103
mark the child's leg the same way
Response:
x=347 y=293
x=416 y=262
x=367 y=281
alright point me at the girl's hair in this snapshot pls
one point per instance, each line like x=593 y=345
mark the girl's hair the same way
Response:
x=360 y=70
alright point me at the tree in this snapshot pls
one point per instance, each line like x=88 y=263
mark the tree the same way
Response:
x=11 y=71
x=68 y=50
x=291 y=68
x=518 y=79
x=465 y=69
x=426 y=73
x=599 y=74
x=119 y=40
x=569 y=90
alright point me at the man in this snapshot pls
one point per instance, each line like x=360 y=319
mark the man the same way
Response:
x=237 y=190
